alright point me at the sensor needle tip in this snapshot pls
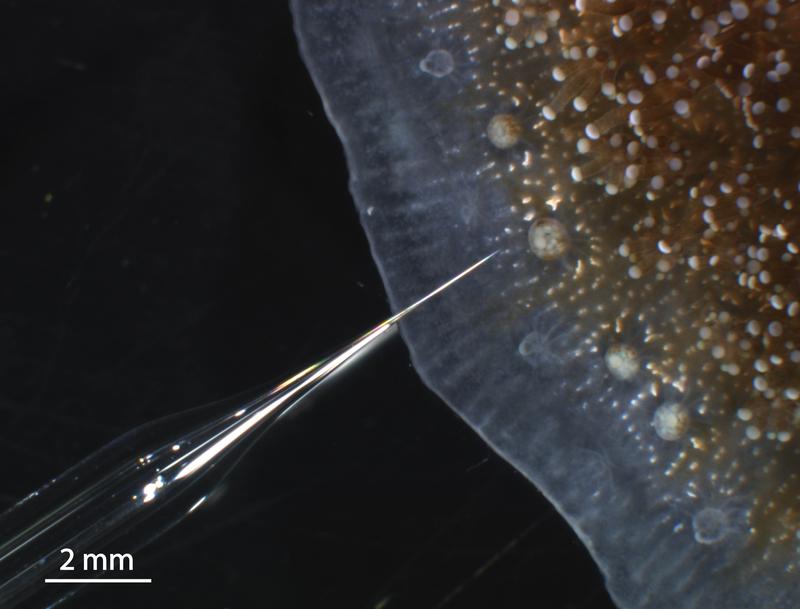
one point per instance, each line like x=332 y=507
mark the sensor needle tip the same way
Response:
x=398 y=316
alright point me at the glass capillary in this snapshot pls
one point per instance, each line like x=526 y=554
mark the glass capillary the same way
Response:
x=294 y=388
x=149 y=479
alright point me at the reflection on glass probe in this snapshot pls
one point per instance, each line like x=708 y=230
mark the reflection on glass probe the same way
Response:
x=149 y=479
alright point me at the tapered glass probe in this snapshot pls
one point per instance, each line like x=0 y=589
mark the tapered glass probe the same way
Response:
x=149 y=479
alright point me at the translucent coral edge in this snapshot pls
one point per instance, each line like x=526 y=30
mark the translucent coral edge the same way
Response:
x=396 y=302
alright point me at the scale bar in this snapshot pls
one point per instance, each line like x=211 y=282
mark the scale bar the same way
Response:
x=98 y=580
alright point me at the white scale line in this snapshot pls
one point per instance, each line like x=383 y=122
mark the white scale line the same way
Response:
x=98 y=580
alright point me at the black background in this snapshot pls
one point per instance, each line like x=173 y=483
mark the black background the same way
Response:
x=176 y=228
